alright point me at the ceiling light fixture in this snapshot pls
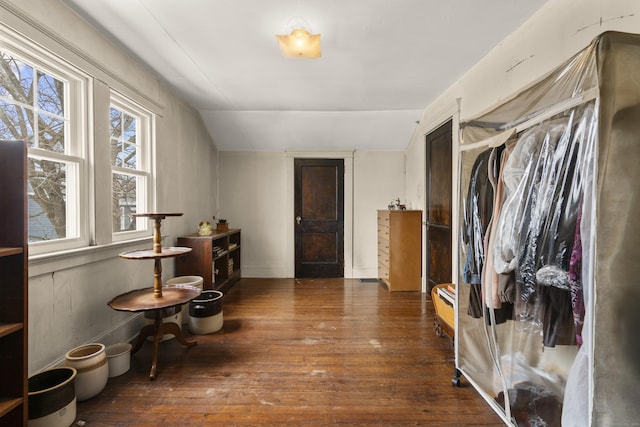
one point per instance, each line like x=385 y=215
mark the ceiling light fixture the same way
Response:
x=299 y=42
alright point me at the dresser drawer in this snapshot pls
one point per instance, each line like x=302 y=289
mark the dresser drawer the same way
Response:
x=383 y=259
x=383 y=244
x=383 y=217
x=383 y=232
x=383 y=272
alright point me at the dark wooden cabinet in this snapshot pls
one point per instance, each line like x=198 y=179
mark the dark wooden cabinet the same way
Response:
x=216 y=258
x=13 y=284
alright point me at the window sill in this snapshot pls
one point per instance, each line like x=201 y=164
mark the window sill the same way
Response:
x=56 y=261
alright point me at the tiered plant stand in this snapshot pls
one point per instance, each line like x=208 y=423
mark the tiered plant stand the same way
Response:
x=158 y=297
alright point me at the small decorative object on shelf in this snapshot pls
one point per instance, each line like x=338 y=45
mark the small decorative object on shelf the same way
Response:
x=205 y=228
x=222 y=225
x=395 y=205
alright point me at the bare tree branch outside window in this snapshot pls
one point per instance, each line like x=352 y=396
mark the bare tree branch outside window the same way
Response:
x=124 y=151
x=32 y=108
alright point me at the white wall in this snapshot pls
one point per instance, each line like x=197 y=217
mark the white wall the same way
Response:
x=378 y=180
x=68 y=294
x=256 y=195
x=252 y=197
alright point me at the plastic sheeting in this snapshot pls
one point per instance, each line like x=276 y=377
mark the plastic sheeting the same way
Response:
x=549 y=186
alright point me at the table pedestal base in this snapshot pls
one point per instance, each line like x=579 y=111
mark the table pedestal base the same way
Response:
x=157 y=330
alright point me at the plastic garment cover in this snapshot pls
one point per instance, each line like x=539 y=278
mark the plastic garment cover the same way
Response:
x=560 y=231
x=552 y=202
x=536 y=229
x=515 y=177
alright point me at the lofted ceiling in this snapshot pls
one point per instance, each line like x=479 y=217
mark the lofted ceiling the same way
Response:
x=383 y=62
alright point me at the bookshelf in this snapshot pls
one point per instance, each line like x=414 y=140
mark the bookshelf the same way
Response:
x=13 y=284
x=215 y=257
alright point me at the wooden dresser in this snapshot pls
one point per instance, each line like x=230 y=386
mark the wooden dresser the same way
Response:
x=400 y=249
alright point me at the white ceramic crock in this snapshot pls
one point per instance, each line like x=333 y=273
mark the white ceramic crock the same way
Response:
x=90 y=361
x=119 y=358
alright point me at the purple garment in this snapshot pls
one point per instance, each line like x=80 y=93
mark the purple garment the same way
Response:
x=575 y=269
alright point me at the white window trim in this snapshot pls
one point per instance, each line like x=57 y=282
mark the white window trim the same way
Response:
x=80 y=85
x=146 y=141
x=96 y=241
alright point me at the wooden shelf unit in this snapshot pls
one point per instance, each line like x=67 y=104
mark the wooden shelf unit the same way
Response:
x=220 y=269
x=13 y=284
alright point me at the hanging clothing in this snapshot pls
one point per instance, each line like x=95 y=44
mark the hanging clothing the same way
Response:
x=538 y=198
x=575 y=277
x=478 y=210
x=478 y=213
x=560 y=234
x=516 y=178
x=536 y=229
x=494 y=283
x=559 y=265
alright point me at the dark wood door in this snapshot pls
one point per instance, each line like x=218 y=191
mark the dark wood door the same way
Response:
x=319 y=216
x=438 y=214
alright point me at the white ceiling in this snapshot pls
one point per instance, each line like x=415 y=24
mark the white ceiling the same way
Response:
x=383 y=62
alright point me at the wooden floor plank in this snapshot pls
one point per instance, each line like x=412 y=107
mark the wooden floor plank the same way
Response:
x=300 y=352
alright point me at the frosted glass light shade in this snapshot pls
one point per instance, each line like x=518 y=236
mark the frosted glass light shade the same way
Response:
x=299 y=44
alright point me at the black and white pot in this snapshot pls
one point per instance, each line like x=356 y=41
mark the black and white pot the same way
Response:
x=52 y=397
x=205 y=313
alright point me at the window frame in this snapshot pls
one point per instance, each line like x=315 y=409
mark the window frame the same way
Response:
x=78 y=141
x=145 y=142
x=89 y=107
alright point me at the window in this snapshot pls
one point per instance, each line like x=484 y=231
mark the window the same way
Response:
x=130 y=138
x=42 y=101
x=72 y=179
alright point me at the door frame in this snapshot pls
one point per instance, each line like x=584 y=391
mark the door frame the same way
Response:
x=451 y=111
x=347 y=156
x=445 y=128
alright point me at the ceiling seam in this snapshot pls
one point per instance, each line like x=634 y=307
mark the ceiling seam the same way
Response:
x=186 y=53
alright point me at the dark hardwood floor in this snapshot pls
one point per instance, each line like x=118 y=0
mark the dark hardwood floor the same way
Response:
x=300 y=352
